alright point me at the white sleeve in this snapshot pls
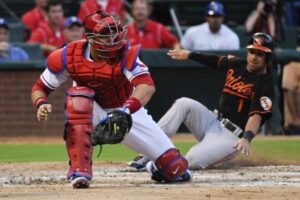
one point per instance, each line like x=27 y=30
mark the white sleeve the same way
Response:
x=138 y=70
x=234 y=43
x=186 y=41
x=53 y=81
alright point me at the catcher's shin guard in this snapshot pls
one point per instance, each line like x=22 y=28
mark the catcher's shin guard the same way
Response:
x=170 y=167
x=79 y=111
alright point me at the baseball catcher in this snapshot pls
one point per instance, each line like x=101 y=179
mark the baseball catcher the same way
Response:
x=112 y=86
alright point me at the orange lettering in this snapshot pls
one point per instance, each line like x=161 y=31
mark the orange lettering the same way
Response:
x=238 y=86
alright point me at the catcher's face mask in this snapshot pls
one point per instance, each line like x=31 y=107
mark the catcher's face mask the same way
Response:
x=108 y=37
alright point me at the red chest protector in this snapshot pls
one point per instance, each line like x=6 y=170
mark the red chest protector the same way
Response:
x=111 y=86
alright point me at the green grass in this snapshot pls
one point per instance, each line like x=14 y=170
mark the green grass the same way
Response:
x=286 y=150
x=278 y=149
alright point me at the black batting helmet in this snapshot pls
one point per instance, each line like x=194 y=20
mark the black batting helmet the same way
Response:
x=262 y=42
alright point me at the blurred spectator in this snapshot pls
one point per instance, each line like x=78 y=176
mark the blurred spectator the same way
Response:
x=73 y=29
x=35 y=16
x=292 y=17
x=291 y=91
x=148 y=33
x=113 y=7
x=7 y=51
x=213 y=34
x=267 y=18
x=50 y=35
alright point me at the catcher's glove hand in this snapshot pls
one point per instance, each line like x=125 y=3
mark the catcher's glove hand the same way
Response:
x=113 y=130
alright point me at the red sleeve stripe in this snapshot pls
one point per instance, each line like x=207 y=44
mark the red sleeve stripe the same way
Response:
x=143 y=79
x=139 y=74
x=40 y=86
x=47 y=83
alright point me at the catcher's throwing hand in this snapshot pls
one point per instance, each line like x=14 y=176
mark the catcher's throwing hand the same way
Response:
x=42 y=113
x=244 y=146
x=179 y=54
x=113 y=129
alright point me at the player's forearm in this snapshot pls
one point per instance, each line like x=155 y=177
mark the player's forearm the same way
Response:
x=36 y=95
x=143 y=93
x=140 y=97
x=252 y=127
x=209 y=60
x=253 y=123
x=39 y=93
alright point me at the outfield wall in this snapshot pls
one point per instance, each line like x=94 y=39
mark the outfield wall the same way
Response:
x=173 y=80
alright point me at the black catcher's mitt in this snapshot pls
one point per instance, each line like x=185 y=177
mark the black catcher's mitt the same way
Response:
x=113 y=130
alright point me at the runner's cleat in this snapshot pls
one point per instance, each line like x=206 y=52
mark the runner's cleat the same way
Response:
x=139 y=163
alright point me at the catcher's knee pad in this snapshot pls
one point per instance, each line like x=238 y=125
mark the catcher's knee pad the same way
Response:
x=170 y=166
x=79 y=111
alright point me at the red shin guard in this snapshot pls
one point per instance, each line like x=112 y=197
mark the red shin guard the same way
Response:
x=79 y=111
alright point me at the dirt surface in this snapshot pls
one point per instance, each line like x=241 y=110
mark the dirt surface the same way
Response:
x=239 y=179
x=114 y=181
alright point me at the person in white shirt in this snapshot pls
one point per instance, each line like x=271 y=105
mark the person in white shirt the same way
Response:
x=213 y=34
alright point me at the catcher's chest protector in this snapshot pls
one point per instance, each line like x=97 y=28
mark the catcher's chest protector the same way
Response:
x=79 y=111
x=111 y=86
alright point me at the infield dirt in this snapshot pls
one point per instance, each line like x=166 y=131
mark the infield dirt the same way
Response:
x=239 y=179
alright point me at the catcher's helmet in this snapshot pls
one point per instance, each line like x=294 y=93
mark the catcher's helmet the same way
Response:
x=262 y=42
x=214 y=8
x=108 y=34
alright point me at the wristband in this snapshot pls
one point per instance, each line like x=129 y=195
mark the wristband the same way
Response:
x=248 y=135
x=40 y=101
x=133 y=104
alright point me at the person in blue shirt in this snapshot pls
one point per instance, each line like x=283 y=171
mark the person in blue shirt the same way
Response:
x=7 y=51
x=73 y=29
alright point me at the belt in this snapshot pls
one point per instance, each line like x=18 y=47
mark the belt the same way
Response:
x=229 y=125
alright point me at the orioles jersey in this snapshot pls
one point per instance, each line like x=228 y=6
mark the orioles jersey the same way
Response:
x=244 y=93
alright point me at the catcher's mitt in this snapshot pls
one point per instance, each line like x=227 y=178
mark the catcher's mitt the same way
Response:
x=113 y=129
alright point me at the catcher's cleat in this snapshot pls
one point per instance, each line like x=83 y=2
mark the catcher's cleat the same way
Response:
x=187 y=176
x=80 y=183
x=139 y=163
x=79 y=180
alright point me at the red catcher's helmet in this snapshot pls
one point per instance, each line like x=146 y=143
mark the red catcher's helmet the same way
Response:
x=108 y=35
x=262 y=42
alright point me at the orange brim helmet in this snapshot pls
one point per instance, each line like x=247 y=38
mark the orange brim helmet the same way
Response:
x=262 y=42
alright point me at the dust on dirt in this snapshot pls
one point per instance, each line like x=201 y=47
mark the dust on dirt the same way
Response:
x=238 y=179
x=113 y=180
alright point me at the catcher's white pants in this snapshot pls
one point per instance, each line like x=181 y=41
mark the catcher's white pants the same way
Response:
x=215 y=142
x=145 y=135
